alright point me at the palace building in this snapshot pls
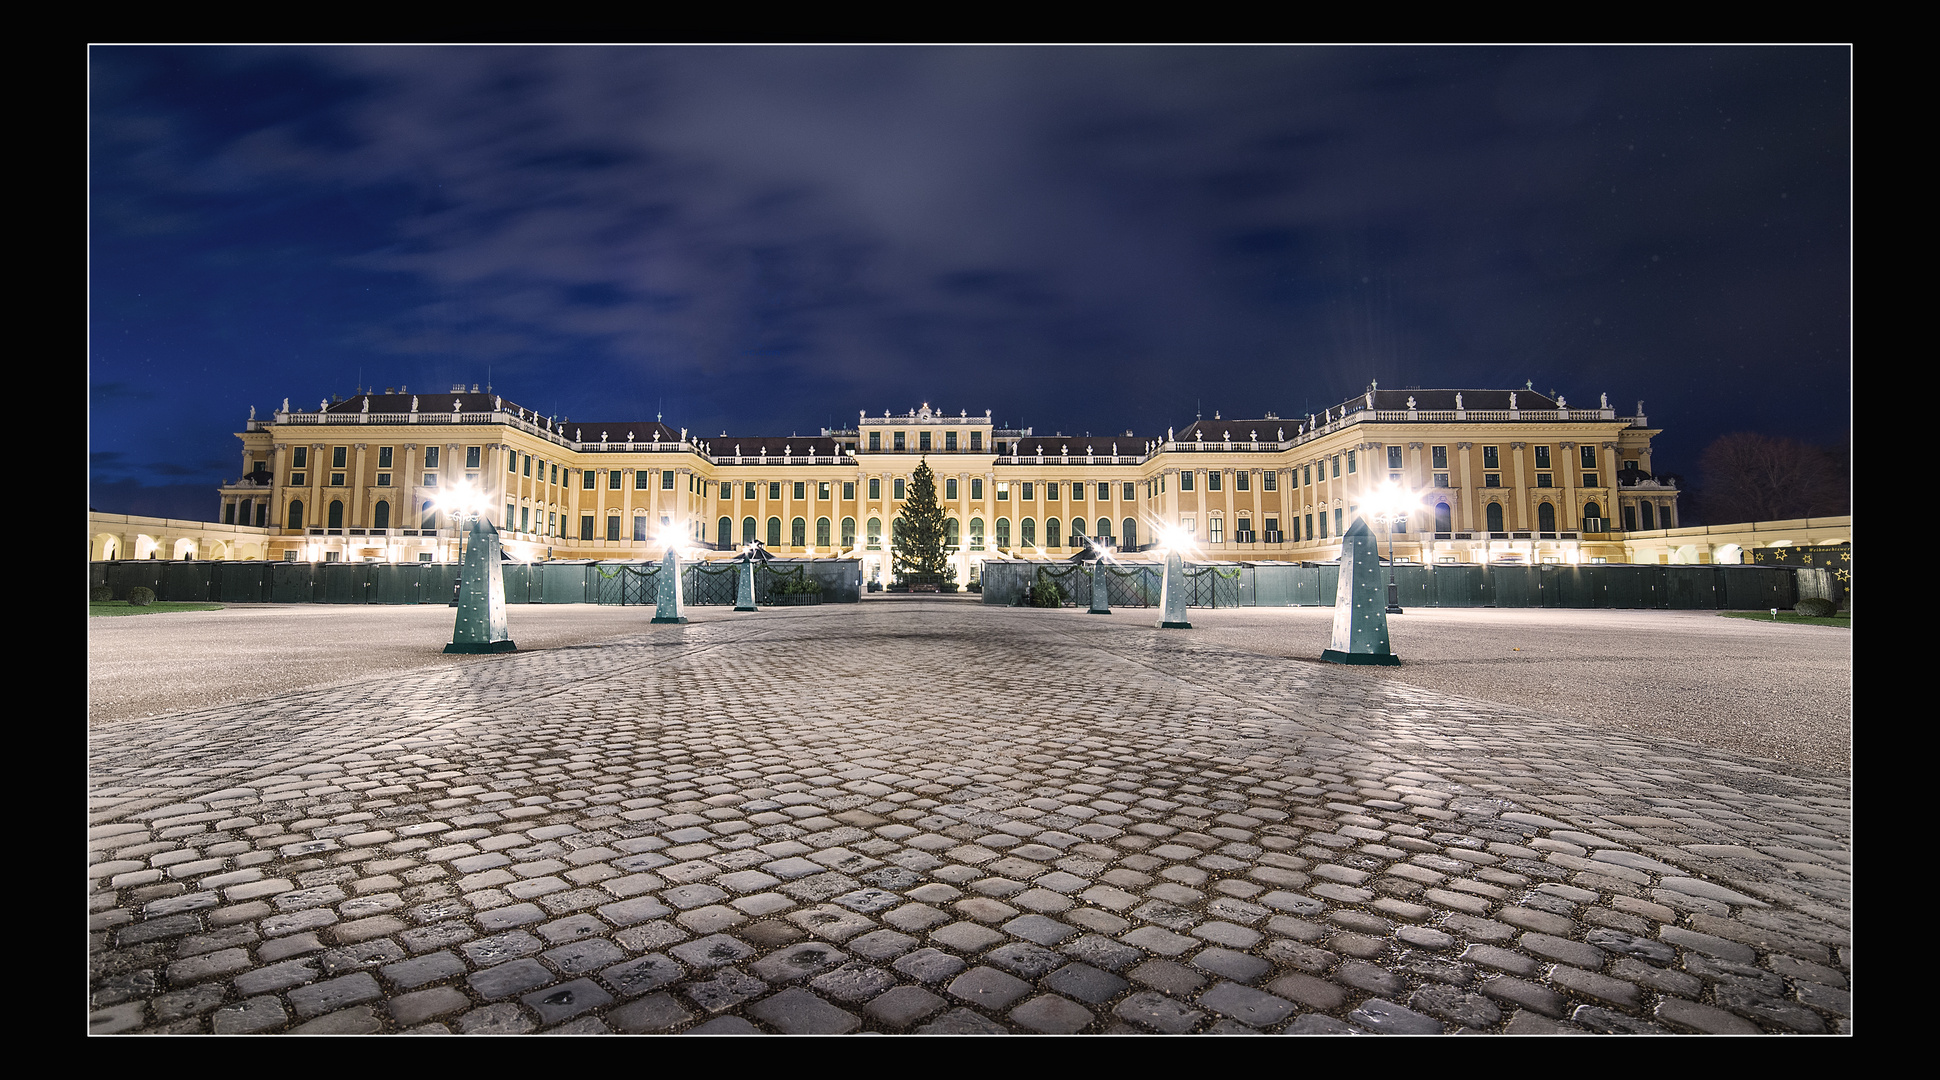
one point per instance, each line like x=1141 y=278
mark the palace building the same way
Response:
x=1488 y=476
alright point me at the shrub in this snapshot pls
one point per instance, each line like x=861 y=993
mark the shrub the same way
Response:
x=101 y=594
x=141 y=596
x=1044 y=593
x=1815 y=607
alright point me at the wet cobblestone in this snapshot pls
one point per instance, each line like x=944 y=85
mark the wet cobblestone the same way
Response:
x=946 y=818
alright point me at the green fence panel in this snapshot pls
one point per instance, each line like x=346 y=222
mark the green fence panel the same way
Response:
x=1326 y=583
x=1624 y=588
x=398 y=583
x=292 y=583
x=345 y=583
x=564 y=583
x=1691 y=588
x=518 y=581
x=185 y=582
x=1514 y=586
x=139 y=572
x=1268 y=586
x=1414 y=585
x=240 y=582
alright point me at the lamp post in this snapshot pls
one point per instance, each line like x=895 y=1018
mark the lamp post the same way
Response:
x=1391 y=505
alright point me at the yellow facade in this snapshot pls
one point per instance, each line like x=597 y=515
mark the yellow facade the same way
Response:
x=1495 y=475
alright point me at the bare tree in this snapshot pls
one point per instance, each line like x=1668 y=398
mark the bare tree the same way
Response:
x=1752 y=477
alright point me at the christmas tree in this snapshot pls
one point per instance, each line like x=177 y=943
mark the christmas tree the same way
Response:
x=917 y=538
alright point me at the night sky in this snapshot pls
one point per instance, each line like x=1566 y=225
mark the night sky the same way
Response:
x=767 y=240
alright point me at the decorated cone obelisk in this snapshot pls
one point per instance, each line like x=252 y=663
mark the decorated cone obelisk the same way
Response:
x=1100 y=600
x=1172 y=593
x=1360 y=610
x=481 y=595
x=667 y=606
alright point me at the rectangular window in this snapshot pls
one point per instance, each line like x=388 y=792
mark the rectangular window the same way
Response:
x=1439 y=456
x=1243 y=480
x=336 y=479
x=666 y=479
x=822 y=490
x=512 y=463
x=1492 y=480
x=1310 y=526
x=976 y=440
x=1051 y=491
x=1214 y=479
x=1394 y=457
x=1185 y=481
x=1588 y=455
x=747 y=490
x=1337 y=516
x=1631 y=465
x=1589 y=479
x=950 y=488
x=949 y=440
x=586 y=526
x=1273 y=525
x=900 y=443
x=1441 y=479
x=589 y=480
x=1131 y=491
x=727 y=490
x=1542 y=457
x=976 y=487
x=555 y=474
x=338 y=455
x=300 y=457
x=473 y=456
x=383 y=457
x=383 y=479
x=1271 y=480
x=1310 y=474
x=875 y=440
x=640 y=527
x=901 y=488
x=801 y=489
x=1030 y=491
x=875 y=487
x=612 y=526
x=1216 y=530
x=430 y=457
x=525 y=519
x=1003 y=491
x=923 y=441
x=1490 y=458
x=1336 y=466
x=1350 y=462
x=774 y=490
x=848 y=492
x=1542 y=479
x=641 y=478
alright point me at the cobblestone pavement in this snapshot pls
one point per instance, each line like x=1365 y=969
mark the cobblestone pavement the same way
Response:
x=877 y=818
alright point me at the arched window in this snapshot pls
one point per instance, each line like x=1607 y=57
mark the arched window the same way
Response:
x=1003 y=532
x=1077 y=532
x=381 y=517
x=848 y=533
x=875 y=534
x=821 y=532
x=1027 y=535
x=976 y=534
x=1130 y=534
x=336 y=514
x=724 y=533
x=229 y=513
x=1050 y=532
x=950 y=534
x=1650 y=519
x=296 y=514
x=747 y=530
x=1495 y=517
x=1546 y=517
x=774 y=532
x=798 y=533
x=1104 y=529
x=1444 y=521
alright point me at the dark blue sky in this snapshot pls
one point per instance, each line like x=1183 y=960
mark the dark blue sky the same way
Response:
x=1090 y=239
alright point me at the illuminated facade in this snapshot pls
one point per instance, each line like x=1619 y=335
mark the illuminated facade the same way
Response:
x=1495 y=475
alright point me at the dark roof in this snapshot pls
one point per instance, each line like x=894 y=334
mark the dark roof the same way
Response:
x=1076 y=445
x=1441 y=400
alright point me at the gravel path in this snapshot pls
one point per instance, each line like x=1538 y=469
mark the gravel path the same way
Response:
x=1781 y=693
